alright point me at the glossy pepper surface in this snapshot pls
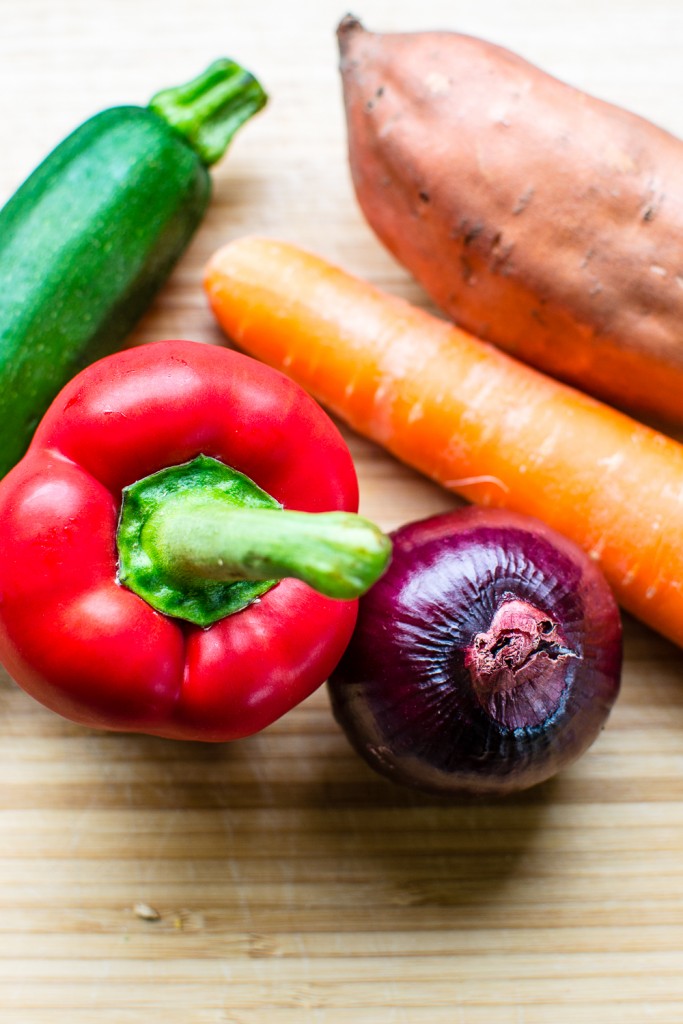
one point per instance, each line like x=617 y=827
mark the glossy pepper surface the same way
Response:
x=95 y=651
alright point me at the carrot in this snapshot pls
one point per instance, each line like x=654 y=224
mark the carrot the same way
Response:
x=467 y=415
x=540 y=218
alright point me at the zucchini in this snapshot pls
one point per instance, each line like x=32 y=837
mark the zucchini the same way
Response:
x=91 y=235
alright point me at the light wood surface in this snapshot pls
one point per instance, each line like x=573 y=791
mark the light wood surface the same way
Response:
x=277 y=879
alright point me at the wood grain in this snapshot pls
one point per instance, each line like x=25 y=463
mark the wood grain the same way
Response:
x=291 y=884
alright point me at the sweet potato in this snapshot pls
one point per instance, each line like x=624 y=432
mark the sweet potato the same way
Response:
x=540 y=218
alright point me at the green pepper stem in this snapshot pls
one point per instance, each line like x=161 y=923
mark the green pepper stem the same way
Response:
x=337 y=553
x=209 y=109
x=200 y=541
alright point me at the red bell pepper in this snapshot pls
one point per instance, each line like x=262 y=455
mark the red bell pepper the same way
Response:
x=212 y=535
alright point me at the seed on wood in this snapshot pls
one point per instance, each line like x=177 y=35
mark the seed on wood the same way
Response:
x=146 y=913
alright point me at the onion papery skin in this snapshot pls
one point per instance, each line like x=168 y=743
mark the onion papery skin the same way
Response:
x=486 y=659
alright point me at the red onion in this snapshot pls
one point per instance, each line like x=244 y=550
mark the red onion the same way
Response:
x=486 y=659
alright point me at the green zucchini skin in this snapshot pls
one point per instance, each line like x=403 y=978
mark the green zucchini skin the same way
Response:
x=85 y=243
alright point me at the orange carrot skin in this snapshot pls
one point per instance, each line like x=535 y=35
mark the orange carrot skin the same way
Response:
x=467 y=415
x=536 y=216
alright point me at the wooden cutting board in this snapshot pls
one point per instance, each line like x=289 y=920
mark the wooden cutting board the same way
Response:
x=277 y=879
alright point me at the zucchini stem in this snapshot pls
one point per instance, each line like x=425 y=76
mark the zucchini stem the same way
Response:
x=210 y=109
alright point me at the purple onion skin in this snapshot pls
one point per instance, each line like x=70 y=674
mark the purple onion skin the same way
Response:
x=486 y=659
